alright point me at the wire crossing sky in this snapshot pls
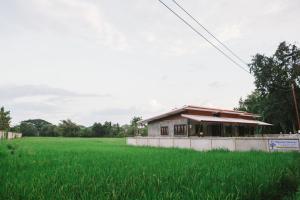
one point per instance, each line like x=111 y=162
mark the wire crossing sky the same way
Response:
x=201 y=35
x=95 y=61
x=211 y=34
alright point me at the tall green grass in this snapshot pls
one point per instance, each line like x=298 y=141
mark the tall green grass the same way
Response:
x=75 y=168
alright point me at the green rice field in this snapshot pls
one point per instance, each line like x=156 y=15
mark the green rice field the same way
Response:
x=78 y=168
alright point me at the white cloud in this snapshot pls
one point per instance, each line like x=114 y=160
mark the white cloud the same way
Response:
x=40 y=101
x=35 y=99
x=215 y=84
x=230 y=32
x=83 y=18
x=155 y=105
x=75 y=45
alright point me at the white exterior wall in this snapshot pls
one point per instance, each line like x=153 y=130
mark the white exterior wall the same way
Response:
x=154 y=128
x=154 y=142
x=142 y=141
x=201 y=144
x=131 y=141
x=165 y=142
x=226 y=143
x=182 y=143
x=10 y=135
x=246 y=145
x=207 y=143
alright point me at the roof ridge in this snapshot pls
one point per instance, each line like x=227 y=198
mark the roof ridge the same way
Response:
x=218 y=109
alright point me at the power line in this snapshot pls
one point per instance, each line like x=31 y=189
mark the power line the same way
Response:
x=211 y=34
x=195 y=30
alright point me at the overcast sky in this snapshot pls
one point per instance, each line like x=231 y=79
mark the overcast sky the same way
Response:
x=97 y=60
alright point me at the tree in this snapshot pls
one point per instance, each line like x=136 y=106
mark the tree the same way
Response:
x=86 y=132
x=133 y=128
x=272 y=98
x=41 y=125
x=116 y=130
x=28 y=129
x=16 y=129
x=253 y=102
x=97 y=130
x=69 y=128
x=49 y=130
x=4 y=119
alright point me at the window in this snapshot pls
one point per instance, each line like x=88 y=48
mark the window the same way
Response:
x=228 y=131
x=180 y=129
x=164 y=130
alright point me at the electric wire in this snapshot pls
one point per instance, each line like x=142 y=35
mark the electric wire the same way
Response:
x=195 y=30
x=210 y=33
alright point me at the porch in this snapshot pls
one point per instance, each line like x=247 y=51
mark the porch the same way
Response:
x=202 y=126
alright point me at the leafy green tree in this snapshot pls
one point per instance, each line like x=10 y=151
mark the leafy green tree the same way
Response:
x=4 y=119
x=134 y=126
x=16 y=129
x=272 y=98
x=98 y=130
x=107 y=128
x=68 y=128
x=86 y=132
x=134 y=121
x=116 y=130
x=49 y=130
x=39 y=125
x=28 y=129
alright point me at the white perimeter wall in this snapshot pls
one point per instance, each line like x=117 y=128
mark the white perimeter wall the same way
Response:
x=10 y=135
x=204 y=144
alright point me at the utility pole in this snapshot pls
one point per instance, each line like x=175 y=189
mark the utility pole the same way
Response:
x=296 y=106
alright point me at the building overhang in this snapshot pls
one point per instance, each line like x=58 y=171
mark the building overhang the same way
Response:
x=214 y=111
x=201 y=118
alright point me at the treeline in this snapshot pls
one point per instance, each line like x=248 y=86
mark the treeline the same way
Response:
x=272 y=99
x=67 y=128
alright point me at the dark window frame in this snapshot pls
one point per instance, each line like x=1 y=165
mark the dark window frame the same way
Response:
x=180 y=129
x=164 y=130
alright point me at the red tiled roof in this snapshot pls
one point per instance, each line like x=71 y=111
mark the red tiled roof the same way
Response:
x=198 y=108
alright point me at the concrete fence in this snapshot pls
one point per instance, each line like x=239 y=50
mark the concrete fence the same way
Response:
x=230 y=143
x=9 y=135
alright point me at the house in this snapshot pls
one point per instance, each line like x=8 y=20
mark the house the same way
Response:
x=201 y=121
x=205 y=129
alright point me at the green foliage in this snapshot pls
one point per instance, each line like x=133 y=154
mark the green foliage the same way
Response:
x=97 y=130
x=49 y=130
x=4 y=119
x=38 y=123
x=106 y=168
x=69 y=128
x=86 y=132
x=28 y=129
x=16 y=129
x=272 y=98
x=133 y=129
x=134 y=121
x=106 y=130
x=35 y=127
